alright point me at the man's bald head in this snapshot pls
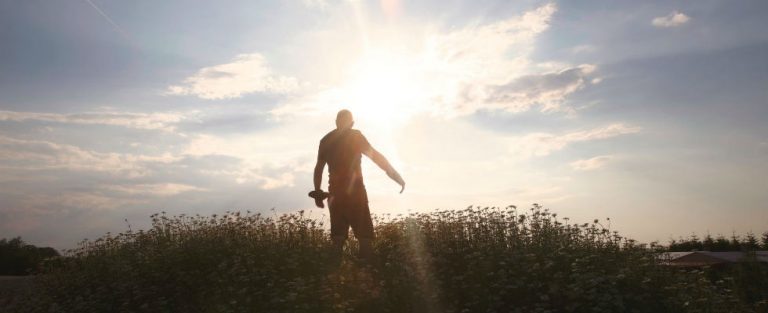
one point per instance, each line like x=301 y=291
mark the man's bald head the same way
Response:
x=344 y=119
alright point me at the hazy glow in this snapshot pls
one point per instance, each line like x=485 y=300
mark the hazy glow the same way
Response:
x=385 y=88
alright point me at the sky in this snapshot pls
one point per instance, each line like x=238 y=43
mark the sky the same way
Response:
x=650 y=113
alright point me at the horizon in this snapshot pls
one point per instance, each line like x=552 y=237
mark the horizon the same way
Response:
x=651 y=114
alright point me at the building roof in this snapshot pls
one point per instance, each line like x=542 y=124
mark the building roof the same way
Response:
x=703 y=258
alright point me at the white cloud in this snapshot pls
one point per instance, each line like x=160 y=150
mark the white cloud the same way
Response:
x=490 y=50
x=164 y=189
x=271 y=159
x=492 y=68
x=543 y=144
x=269 y=170
x=46 y=155
x=544 y=194
x=284 y=179
x=454 y=73
x=87 y=200
x=674 y=19
x=247 y=73
x=583 y=49
x=315 y=4
x=160 y=121
x=473 y=64
x=591 y=163
x=546 y=90
x=63 y=200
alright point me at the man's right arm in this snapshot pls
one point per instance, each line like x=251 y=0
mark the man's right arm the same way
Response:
x=318 y=178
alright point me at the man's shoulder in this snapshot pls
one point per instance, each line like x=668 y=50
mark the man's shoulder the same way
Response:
x=356 y=135
x=336 y=135
x=328 y=135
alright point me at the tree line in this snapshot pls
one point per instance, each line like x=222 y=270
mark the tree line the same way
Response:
x=20 y=258
x=720 y=243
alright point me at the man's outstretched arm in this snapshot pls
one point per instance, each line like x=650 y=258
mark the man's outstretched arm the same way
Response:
x=383 y=163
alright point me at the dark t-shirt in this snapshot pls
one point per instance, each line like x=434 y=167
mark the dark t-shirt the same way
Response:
x=342 y=150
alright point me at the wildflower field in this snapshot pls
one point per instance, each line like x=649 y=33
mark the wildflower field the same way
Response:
x=472 y=260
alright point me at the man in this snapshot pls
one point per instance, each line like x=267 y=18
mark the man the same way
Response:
x=341 y=149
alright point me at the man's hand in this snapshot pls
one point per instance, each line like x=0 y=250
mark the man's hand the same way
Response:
x=394 y=175
x=319 y=195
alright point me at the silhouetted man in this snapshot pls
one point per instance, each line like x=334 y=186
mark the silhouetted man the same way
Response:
x=341 y=149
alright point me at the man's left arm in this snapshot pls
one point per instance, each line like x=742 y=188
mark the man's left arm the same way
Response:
x=384 y=164
x=381 y=162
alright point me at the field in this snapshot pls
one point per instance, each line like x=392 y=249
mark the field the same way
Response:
x=472 y=260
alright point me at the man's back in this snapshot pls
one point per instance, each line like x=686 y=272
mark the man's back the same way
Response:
x=342 y=150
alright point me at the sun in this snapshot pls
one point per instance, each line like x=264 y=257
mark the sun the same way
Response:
x=385 y=88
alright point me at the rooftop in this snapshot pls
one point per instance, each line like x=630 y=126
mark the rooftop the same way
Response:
x=703 y=258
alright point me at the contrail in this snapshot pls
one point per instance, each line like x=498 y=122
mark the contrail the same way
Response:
x=106 y=17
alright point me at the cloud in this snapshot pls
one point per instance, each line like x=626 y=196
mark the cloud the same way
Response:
x=284 y=177
x=164 y=189
x=315 y=4
x=543 y=144
x=159 y=121
x=60 y=198
x=455 y=73
x=504 y=44
x=583 y=49
x=546 y=90
x=239 y=163
x=246 y=74
x=591 y=163
x=472 y=65
x=674 y=19
x=43 y=178
x=87 y=200
x=46 y=155
x=261 y=159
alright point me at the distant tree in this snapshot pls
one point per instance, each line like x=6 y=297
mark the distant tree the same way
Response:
x=691 y=243
x=750 y=242
x=735 y=243
x=721 y=244
x=672 y=245
x=708 y=244
x=694 y=243
x=680 y=245
x=765 y=240
x=20 y=258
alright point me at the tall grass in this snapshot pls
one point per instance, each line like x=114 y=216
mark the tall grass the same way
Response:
x=472 y=260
